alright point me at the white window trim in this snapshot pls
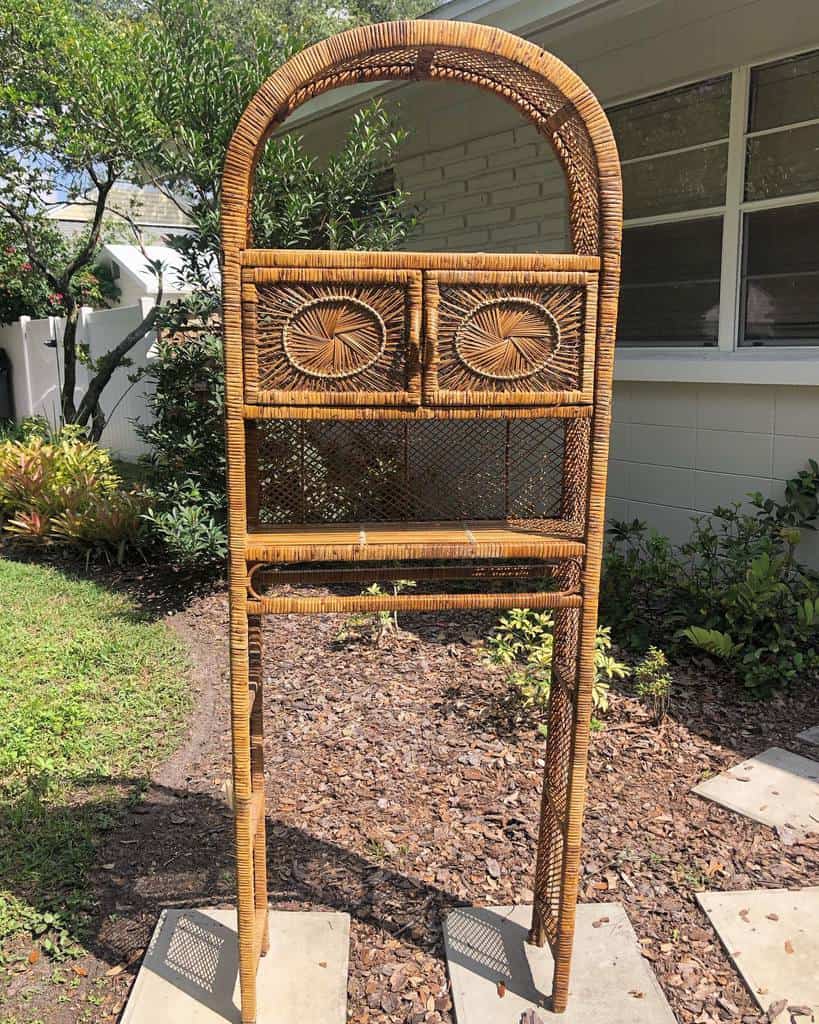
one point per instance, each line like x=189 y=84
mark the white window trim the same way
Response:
x=727 y=362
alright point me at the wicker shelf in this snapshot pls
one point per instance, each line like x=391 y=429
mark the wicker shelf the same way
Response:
x=372 y=541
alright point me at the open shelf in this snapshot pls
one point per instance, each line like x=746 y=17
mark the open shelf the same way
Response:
x=354 y=542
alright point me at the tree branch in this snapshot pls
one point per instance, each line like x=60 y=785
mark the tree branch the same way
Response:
x=86 y=252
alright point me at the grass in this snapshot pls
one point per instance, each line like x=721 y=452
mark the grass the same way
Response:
x=92 y=695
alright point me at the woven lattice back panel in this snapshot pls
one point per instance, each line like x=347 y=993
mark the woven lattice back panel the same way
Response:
x=328 y=471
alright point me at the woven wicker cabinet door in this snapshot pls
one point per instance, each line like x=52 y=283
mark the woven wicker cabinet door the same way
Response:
x=520 y=338
x=331 y=336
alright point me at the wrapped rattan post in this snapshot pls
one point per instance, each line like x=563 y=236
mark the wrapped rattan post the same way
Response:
x=444 y=410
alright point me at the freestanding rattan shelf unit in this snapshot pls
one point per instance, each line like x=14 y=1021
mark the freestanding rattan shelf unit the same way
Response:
x=437 y=416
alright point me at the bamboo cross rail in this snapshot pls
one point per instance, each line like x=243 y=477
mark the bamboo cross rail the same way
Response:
x=444 y=410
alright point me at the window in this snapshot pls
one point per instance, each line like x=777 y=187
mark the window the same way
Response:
x=674 y=150
x=780 y=255
x=721 y=210
x=671 y=283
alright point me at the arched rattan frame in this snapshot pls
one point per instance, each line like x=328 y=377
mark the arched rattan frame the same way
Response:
x=563 y=109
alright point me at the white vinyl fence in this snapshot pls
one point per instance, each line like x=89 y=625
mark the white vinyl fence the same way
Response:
x=37 y=370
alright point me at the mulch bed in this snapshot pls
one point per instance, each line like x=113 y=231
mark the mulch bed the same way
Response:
x=401 y=784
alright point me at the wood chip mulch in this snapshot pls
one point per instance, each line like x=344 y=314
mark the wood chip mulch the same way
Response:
x=401 y=784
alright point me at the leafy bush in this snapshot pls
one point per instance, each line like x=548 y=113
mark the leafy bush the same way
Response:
x=523 y=642
x=187 y=509
x=64 y=490
x=653 y=681
x=734 y=589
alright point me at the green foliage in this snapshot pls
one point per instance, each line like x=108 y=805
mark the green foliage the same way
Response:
x=348 y=201
x=90 y=691
x=801 y=505
x=23 y=289
x=653 y=681
x=72 y=118
x=187 y=527
x=64 y=490
x=734 y=589
x=207 y=58
x=523 y=642
x=187 y=509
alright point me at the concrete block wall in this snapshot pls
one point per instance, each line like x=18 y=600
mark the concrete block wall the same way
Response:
x=682 y=449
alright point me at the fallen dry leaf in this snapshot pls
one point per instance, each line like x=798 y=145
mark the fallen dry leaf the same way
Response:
x=788 y=946
x=34 y=956
x=501 y=989
x=600 y=921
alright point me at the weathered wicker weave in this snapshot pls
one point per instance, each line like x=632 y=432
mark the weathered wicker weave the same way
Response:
x=438 y=416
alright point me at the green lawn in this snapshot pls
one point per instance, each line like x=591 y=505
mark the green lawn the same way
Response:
x=92 y=695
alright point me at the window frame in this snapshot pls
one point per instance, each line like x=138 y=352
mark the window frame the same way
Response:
x=728 y=361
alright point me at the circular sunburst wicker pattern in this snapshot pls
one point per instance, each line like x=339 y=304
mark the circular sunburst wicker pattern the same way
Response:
x=507 y=338
x=334 y=336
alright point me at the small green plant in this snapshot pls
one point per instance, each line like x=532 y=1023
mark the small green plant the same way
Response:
x=653 y=682
x=523 y=642
x=186 y=526
x=386 y=622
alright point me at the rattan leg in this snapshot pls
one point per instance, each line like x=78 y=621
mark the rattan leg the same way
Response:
x=257 y=776
x=575 y=806
x=560 y=720
x=240 y=716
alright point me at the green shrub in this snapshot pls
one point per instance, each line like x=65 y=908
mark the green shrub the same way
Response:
x=187 y=510
x=734 y=589
x=652 y=680
x=64 y=491
x=523 y=642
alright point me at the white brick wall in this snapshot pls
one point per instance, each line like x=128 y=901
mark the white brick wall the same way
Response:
x=503 y=191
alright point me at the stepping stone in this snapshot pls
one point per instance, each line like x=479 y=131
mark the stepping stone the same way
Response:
x=190 y=974
x=611 y=981
x=771 y=936
x=810 y=735
x=776 y=787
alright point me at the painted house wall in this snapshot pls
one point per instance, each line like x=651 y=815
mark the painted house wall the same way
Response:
x=484 y=180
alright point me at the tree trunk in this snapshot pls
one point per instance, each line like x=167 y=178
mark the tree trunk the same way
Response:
x=68 y=410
